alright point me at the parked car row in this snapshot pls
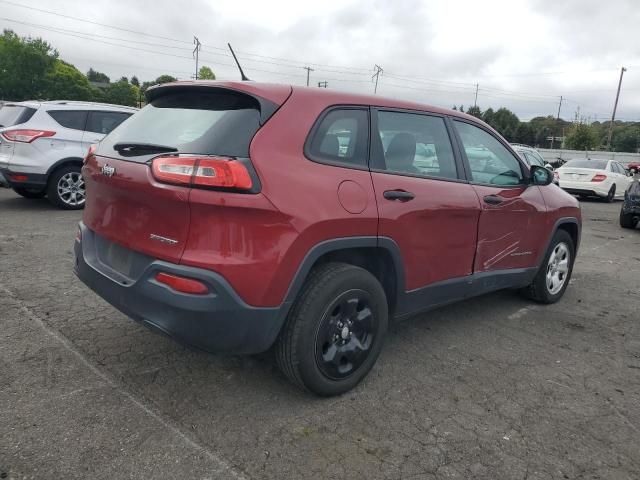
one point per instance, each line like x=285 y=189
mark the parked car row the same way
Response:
x=42 y=145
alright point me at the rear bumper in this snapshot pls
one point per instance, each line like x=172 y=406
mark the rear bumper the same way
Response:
x=31 y=180
x=585 y=188
x=219 y=321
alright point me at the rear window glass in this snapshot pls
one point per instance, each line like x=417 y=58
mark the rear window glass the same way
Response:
x=11 y=115
x=596 y=164
x=74 y=119
x=105 y=122
x=193 y=121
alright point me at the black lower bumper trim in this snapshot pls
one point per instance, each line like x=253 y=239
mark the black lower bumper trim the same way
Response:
x=219 y=321
x=34 y=181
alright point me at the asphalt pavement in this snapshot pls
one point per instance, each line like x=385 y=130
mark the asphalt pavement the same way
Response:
x=495 y=387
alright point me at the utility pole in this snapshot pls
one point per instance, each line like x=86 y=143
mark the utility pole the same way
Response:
x=309 y=70
x=475 y=101
x=196 y=50
x=553 y=134
x=323 y=84
x=615 y=107
x=379 y=72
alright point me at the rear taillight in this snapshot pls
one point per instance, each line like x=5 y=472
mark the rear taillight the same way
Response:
x=19 y=178
x=26 y=136
x=182 y=284
x=90 y=153
x=202 y=172
x=599 y=178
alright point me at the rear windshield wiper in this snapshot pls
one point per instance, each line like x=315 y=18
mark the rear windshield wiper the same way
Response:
x=135 y=149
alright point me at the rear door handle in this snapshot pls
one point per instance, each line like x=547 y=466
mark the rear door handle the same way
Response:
x=400 y=195
x=493 y=200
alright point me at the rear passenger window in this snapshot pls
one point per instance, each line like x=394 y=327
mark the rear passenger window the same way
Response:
x=104 y=122
x=490 y=161
x=342 y=136
x=74 y=119
x=416 y=144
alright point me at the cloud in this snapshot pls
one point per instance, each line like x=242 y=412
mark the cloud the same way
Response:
x=523 y=53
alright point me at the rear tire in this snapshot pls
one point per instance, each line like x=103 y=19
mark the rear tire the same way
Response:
x=30 y=193
x=611 y=195
x=627 y=220
x=66 y=188
x=553 y=277
x=334 y=331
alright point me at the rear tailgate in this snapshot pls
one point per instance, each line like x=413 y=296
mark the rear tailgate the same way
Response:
x=131 y=209
x=577 y=174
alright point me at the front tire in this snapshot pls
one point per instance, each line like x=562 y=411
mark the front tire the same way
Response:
x=554 y=274
x=66 y=188
x=335 y=330
x=30 y=193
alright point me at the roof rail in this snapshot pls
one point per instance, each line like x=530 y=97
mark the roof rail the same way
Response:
x=81 y=102
x=521 y=145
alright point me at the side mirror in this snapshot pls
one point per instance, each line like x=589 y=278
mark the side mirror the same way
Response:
x=632 y=172
x=540 y=175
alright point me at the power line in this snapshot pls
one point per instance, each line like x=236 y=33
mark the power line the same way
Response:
x=196 y=53
x=376 y=75
x=90 y=21
x=615 y=107
x=309 y=70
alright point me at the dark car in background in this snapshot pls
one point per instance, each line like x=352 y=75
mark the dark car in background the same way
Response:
x=630 y=211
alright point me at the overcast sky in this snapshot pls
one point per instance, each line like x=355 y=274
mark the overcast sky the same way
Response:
x=523 y=54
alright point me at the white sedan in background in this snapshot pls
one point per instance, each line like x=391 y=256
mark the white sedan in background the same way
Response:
x=591 y=177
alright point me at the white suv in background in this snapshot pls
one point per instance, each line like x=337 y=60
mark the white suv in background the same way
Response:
x=42 y=145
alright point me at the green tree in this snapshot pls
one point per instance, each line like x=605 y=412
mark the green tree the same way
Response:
x=581 y=137
x=165 y=79
x=626 y=139
x=124 y=79
x=135 y=81
x=205 y=73
x=24 y=65
x=455 y=108
x=506 y=122
x=461 y=109
x=95 y=76
x=66 y=82
x=525 y=133
x=487 y=116
x=121 y=93
x=475 y=111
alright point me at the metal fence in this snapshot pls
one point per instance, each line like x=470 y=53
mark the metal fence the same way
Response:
x=553 y=155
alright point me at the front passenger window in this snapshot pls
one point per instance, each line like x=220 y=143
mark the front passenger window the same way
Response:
x=416 y=144
x=490 y=161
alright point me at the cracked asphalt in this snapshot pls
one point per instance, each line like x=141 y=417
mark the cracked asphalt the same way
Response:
x=495 y=387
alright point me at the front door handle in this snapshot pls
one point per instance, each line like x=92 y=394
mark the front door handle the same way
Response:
x=399 y=195
x=493 y=200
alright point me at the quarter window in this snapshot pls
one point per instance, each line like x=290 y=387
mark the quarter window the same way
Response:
x=490 y=161
x=341 y=137
x=74 y=119
x=416 y=144
x=104 y=122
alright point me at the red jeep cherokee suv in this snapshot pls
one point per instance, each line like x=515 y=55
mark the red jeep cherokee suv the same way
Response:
x=240 y=216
